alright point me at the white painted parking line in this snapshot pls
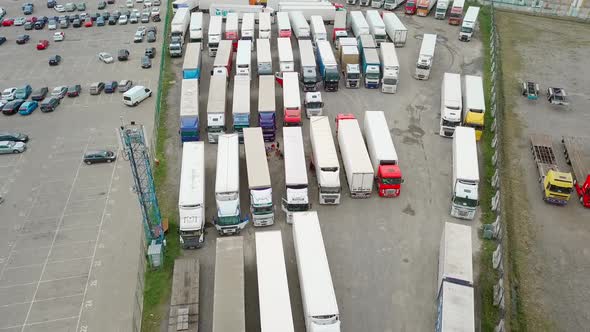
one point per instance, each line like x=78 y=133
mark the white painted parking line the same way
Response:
x=38 y=323
x=52 y=262
x=43 y=281
x=53 y=241
x=41 y=300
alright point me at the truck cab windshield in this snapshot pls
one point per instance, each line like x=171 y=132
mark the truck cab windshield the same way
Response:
x=465 y=202
x=227 y=196
x=423 y=66
x=390 y=81
x=354 y=76
x=391 y=181
x=230 y=220
x=262 y=209
x=466 y=29
x=561 y=190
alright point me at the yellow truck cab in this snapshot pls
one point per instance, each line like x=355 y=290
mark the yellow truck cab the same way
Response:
x=558 y=187
x=474 y=106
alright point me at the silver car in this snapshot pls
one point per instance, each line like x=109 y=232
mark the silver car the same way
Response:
x=12 y=147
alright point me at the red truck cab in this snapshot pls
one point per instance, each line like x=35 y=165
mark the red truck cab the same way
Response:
x=584 y=191
x=410 y=7
x=389 y=180
x=292 y=117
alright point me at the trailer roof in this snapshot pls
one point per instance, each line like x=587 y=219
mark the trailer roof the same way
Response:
x=291 y=91
x=474 y=97
x=266 y=93
x=458 y=309
x=315 y=278
x=217 y=92
x=455 y=255
x=452 y=90
x=377 y=131
x=578 y=151
x=192 y=174
x=326 y=52
x=231 y=22
x=351 y=139
x=390 y=19
x=241 y=95
x=256 y=163
x=224 y=53
x=228 y=298
x=428 y=44
x=263 y=52
x=285 y=50
x=227 y=177
x=180 y=16
x=196 y=21
x=322 y=142
x=192 y=56
x=358 y=16
x=471 y=15
x=273 y=287
x=306 y=53
x=189 y=98
x=283 y=21
x=248 y=21
x=215 y=24
x=317 y=24
x=389 y=55
x=373 y=18
x=295 y=166
x=465 y=154
x=244 y=55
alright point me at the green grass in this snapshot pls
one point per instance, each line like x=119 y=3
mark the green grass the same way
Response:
x=488 y=277
x=158 y=283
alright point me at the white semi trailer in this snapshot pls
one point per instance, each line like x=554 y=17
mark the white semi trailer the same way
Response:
x=320 y=308
x=228 y=294
x=261 y=208
x=325 y=160
x=357 y=164
x=297 y=196
x=451 y=104
x=465 y=197
x=191 y=199
x=426 y=57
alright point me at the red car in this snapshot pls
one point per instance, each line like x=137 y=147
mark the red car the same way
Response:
x=88 y=23
x=7 y=22
x=32 y=19
x=43 y=44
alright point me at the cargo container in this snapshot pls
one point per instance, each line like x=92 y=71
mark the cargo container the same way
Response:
x=214 y=34
x=216 y=108
x=359 y=24
x=350 y=65
x=425 y=57
x=296 y=185
x=325 y=9
x=264 y=25
x=307 y=68
x=191 y=66
x=241 y=105
x=389 y=68
x=283 y=25
x=267 y=107
x=392 y=4
x=455 y=257
x=232 y=29
x=244 y=59
x=264 y=57
x=474 y=107
x=455 y=309
x=441 y=9
x=469 y=24
x=340 y=28
x=247 y=29
x=261 y=207
x=357 y=164
x=191 y=198
x=196 y=28
x=299 y=24
x=396 y=30
x=325 y=160
x=376 y=26
x=189 y=111
x=456 y=14
x=465 y=186
x=328 y=66
x=318 y=29
x=451 y=104
x=222 y=65
x=286 y=63
x=291 y=99
x=425 y=6
x=229 y=312
x=371 y=68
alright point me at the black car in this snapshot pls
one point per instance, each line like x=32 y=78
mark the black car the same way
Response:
x=112 y=20
x=110 y=87
x=73 y=17
x=22 y=39
x=123 y=55
x=28 y=26
x=102 y=5
x=14 y=137
x=116 y=14
x=39 y=94
x=110 y=2
x=12 y=107
x=99 y=156
x=74 y=90
x=54 y=60
x=77 y=23
x=51 y=3
x=146 y=62
x=106 y=15
x=2 y=40
x=152 y=29
x=150 y=52
x=39 y=25
x=151 y=37
x=49 y=104
x=94 y=16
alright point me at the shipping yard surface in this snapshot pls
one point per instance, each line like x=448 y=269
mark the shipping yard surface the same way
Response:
x=383 y=252
x=69 y=232
x=550 y=243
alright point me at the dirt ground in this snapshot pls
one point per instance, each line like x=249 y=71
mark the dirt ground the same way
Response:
x=549 y=244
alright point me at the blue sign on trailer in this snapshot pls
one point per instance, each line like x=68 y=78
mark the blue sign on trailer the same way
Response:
x=189 y=111
x=191 y=68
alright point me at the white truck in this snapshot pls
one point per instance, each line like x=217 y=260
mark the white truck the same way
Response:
x=451 y=104
x=318 y=29
x=377 y=4
x=285 y=55
x=247 y=28
x=261 y=208
x=313 y=104
x=455 y=256
x=350 y=65
x=396 y=30
x=264 y=25
x=232 y=29
x=308 y=69
x=469 y=24
x=214 y=34
x=196 y=27
x=376 y=26
x=392 y=4
x=244 y=58
x=359 y=24
x=222 y=64
x=264 y=57
x=191 y=5
x=227 y=186
x=440 y=11
x=299 y=24
x=191 y=66
x=324 y=9
x=357 y=164
x=325 y=160
x=223 y=9
x=191 y=199
x=216 y=108
x=465 y=197
x=455 y=309
x=228 y=292
x=273 y=287
x=178 y=28
x=205 y=5
x=241 y=105
x=340 y=27
x=283 y=25
x=389 y=68
x=320 y=308
x=297 y=197
x=426 y=57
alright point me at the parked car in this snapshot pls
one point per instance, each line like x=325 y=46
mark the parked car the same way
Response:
x=151 y=29
x=112 y=20
x=7 y=22
x=70 y=7
x=123 y=19
x=147 y=3
x=125 y=85
x=74 y=90
x=81 y=6
x=136 y=95
x=20 y=21
x=59 y=8
x=59 y=92
x=88 y=22
x=12 y=107
x=42 y=44
x=64 y=24
x=102 y=5
x=77 y=23
x=105 y=15
x=50 y=104
x=134 y=18
x=58 y=36
x=96 y=88
x=150 y=52
x=155 y=10
x=138 y=38
x=151 y=37
x=23 y=92
x=39 y=94
x=145 y=18
x=39 y=25
x=105 y=57
x=31 y=19
x=52 y=24
x=28 y=9
x=8 y=94
x=116 y=14
x=22 y=39
x=100 y=22
x=54 y=60
x=129 y=3
x=12 y=147
x=123 y=55
x=156 y=3
x=27 y=107
x=51 y=3
x=146 y=62
x=110 y=87
x=14 y=137
x=2 y=40
x=99 y=156
x=29 y=26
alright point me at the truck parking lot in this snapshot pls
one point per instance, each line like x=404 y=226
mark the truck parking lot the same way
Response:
x=382 y=252
x=69 y=232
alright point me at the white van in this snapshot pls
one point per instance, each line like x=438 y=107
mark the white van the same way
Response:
x=136 y=95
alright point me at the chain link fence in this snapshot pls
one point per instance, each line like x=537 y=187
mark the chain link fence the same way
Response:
x=574 y=9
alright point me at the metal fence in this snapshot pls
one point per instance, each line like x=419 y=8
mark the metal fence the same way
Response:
x=495 y=230
x=571 y=9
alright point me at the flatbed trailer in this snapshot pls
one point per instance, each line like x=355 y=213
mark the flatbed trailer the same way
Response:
x=184 y=301
x=577 y=155
x=555 y=184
